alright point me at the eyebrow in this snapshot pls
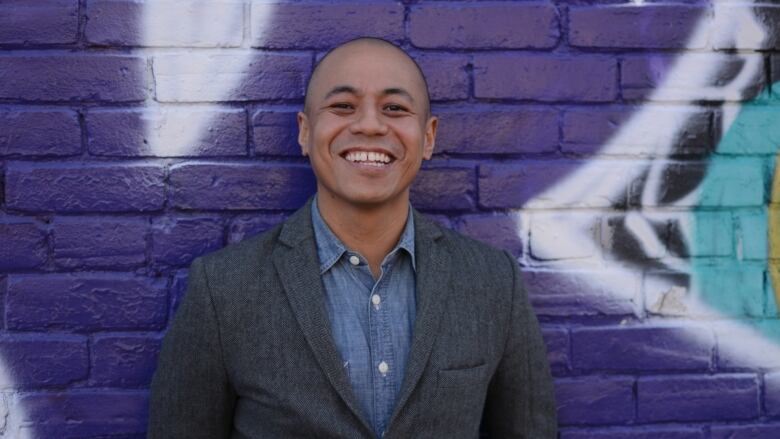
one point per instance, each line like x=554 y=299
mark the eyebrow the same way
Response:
x=352 y=90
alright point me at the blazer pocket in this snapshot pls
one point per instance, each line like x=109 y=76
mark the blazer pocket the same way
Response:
x=469 y=376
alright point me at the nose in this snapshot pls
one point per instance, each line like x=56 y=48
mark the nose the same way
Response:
x=368 y=121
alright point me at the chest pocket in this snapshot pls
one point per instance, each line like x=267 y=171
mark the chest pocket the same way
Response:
x=460 y=400
x=458 y=378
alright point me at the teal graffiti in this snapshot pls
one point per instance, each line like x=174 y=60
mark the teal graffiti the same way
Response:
x=729 y=241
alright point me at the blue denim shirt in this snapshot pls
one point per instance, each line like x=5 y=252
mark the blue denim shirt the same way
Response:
x=371 y=320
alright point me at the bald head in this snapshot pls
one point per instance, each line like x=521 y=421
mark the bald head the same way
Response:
x=351 y=47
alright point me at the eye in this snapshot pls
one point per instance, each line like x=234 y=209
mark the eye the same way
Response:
x=393 y=108
x=342 y=106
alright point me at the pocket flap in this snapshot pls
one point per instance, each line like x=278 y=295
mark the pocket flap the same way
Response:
x=462 y=377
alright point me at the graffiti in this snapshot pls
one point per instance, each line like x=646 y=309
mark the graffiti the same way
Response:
x=670 y=219
x=680 y=242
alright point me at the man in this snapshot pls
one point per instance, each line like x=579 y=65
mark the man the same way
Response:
x=357 y=317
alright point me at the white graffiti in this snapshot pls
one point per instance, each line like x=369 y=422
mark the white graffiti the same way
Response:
x=212 y=55
x=692 y=78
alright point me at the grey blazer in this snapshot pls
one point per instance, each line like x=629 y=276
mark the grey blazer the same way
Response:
x=250 y=352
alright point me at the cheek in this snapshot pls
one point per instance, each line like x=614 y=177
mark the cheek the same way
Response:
x=414 y=132
x=327 y=138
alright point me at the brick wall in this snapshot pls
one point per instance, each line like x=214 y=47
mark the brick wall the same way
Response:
x=624 y=151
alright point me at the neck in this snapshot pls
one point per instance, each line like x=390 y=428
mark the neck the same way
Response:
x=371 y=230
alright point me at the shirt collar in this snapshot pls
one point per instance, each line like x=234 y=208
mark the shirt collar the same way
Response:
x=330 y=248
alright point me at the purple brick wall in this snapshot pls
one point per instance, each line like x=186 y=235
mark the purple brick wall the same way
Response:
x=622 y=150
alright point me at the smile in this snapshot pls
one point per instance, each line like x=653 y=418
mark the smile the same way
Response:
x=370 y=158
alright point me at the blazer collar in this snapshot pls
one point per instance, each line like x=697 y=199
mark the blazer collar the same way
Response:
x=297 y=264
x=433 y=285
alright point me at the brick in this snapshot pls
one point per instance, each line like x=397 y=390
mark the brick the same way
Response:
x=643 y=26
x=99 y=242
x=86 y=413
x=772 y=393
x=39 y=133
x=672 y=183
x=167 y=132
x=35 y=361
x=175 y=23
x=622 y=131
x=733 y=182
x=275 y=133
x=668 y=78
x=545 y=78
x=556 y=341
x=497 y=130
x=230 y=77
x=697 y=398
x=240 y=186
x=635 y=237
x=564 y=235
x=636 y=432
x=722 y=182
x=733 y=290
x=447 y=75
x=93 y=78
x=245 y=226
x=511 y=185
x=530 y=184
x=3 y=295
x=176 y=241
x=748 y=345
x=85 y=302
x=745 y=431
x=570 y=294
x=736 y=16
x=499 y=230
x=316 y=25
x=84 y=187
x=642 y=348
x=462 y=25
x=706 y=233
x=594 y=401
x=444 y=187
x=124 y=360
x=755 y=129
x=24 y=245
x=40 y=22
x=774 y=62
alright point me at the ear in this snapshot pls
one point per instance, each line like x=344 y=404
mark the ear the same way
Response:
x=303 y=133
x=430 y=137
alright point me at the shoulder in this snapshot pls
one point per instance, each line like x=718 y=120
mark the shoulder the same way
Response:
x=242 y=256
x=473 y=256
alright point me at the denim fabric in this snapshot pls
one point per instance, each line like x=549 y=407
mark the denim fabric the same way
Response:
x=370 y=332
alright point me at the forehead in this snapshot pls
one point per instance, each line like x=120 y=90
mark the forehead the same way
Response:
x=368 y=68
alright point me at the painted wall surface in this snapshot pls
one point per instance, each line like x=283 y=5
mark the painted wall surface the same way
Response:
x=624 y=151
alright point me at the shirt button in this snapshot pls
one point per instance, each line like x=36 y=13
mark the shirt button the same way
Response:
x=354 y=260
x=383 y=368
x=376 y=300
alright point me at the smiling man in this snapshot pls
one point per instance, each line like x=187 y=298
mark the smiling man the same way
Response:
x=357 y=317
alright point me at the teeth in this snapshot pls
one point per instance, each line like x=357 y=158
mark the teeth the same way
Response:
x=369 y=158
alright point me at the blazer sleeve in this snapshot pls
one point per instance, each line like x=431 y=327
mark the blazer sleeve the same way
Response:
x=520 y=401
x=190 y=395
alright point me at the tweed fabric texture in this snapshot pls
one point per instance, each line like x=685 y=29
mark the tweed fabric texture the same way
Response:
x=250 y=352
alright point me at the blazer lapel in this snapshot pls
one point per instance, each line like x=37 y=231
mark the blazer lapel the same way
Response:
x=296 y=262
x=433 y=284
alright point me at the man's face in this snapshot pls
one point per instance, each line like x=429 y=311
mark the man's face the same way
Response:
x=366 y=128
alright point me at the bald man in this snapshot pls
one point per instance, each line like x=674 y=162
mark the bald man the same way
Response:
x=357 y=317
